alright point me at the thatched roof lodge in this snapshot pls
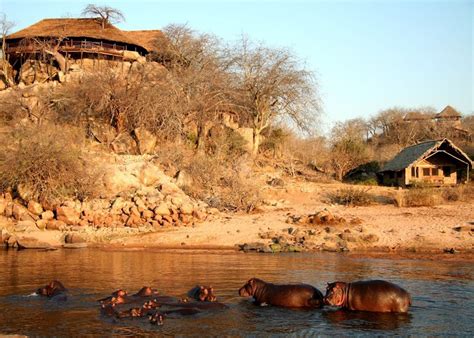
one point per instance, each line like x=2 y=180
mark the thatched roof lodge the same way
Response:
x=432 y=162
x=83 y=30
x=77 y=38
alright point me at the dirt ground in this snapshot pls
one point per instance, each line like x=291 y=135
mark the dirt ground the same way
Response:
x=443 y=229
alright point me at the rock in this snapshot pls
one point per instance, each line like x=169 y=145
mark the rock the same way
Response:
x=247 y=135
x=4 y=235
x=370 y=238
x=35 y=208
x=41 y=224
x=123 y=144
x=256 y=246
x=47 y=215
x=74 y=238
x=25 y=226
x=199 y=215
x=12 y=241
x=146 y=141
x=3 y=205
x=183 y=179
x=33 y=243
x=149 y=175
x=348 y=237
x=68 y=215
x=147 y=214
x=118 y=205
x=162 y=210
x=18 y=211
x=275 y=247
x=186 y=208
x=55 y=225
x=463 y=228
x=101 y=132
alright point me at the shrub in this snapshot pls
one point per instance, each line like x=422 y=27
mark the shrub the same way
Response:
x=418 y=197
x=352 y=197
x=44 y=163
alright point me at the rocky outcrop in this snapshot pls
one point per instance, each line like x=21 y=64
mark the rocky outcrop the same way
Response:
x=137 y=195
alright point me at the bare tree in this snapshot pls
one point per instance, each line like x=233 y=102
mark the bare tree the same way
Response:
x=270 y=84
x=5 y=27
x=199 y=76
x=106 y=14
x=348 y=149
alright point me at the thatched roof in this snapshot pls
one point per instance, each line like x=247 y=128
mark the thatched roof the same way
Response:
x=85 y=27
x=417 y=116
x=146 y=38
x=417 y=152
x=448 y=112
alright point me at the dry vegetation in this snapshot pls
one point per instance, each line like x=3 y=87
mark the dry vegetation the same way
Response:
x=45 y=163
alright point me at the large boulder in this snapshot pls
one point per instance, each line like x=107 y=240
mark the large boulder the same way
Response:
x=68 y=215
x=146 y=141
x=102 y=133
x=123 y=144
x=247 y=135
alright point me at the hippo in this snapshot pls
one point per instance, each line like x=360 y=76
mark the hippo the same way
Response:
x=283 y=295
x=372 y=295
x=146 y=291
x=118 y=294
x=202 y=293
x=53 y=289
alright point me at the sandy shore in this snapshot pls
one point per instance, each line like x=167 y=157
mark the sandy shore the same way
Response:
x=442 y=229
x=445 y=231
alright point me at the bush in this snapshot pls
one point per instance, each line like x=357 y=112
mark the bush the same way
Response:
x=44 y=163
x=352 y=197
x=417 y=197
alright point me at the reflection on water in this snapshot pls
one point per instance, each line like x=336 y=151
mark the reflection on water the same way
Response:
x=442 y=293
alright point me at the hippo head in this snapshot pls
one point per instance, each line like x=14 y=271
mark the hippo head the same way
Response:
x=119 y=293
x=51 y=289
x=335 y=294
x=146 y=291
x=249 y=288
x=206 y=294
x=156 y=319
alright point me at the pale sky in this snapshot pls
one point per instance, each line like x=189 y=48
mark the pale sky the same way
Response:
x=368 y=55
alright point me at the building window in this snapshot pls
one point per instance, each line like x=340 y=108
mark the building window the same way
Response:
x=400 y=174
x=434 y=172
x=413 y=172
x=426 y=171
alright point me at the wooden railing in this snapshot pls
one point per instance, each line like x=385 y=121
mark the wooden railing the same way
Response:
x=69 y=46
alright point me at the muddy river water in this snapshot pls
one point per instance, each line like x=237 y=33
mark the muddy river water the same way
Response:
x=442 y=293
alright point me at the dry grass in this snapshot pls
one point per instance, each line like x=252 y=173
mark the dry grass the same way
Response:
x=352 y=197
x=420 y=196
x=44 y=163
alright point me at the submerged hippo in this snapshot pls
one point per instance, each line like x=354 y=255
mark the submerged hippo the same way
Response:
x=373 y=295
x=284 y=295
x=53 y=289
x=202 y=293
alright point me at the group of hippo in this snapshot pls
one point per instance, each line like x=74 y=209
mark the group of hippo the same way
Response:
x=372 y=295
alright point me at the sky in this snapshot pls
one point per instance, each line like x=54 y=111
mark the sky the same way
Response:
x=367 y=55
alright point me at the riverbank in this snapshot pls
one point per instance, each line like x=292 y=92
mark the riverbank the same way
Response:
x=299 y=217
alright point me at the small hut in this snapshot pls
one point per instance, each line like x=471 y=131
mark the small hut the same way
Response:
x=449 y=115
x=432 y=162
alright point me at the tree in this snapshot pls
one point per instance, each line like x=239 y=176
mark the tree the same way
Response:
x=5 y=27
x=348 y=148
x=271 y=84
x=199 y=76
x=105 y=14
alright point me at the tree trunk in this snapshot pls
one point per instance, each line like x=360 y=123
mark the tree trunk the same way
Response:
x=60 y=59
x=256 y=142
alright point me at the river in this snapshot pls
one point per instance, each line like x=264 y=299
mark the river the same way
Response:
x=442 y=293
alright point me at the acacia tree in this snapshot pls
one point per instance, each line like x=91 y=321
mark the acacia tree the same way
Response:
x=270 y=84
x=106 y=14
x=5 y=27
x=198 y=76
